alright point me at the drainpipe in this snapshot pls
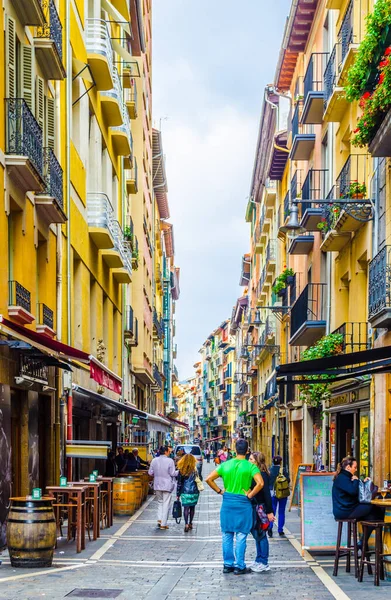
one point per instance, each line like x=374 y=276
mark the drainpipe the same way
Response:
x=124 y=305
x=68 y=104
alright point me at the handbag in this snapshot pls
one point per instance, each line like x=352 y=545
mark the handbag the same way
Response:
x=200 y=485
x=262 y=518
x=177 y=511
x=366 y=491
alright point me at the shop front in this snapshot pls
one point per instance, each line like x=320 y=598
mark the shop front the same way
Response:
x=349 y=426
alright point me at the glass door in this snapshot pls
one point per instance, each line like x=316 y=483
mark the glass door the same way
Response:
x=363 y=445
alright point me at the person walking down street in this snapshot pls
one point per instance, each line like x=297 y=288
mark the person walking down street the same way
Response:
x=264 y=499
x=236 y=515
x=278 y=502
x=187 y=490
x=162 y=470
x=207 y=455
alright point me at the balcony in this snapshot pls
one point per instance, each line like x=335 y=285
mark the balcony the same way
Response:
x=335 y=103
x=135 y=254
x=19 y=303
x=308 y=315
x=303 y=137
x=111 y=101
x=355 y=336
x=100 y=53
x=301 y=245
x=100 y=216
x=270 y=259
x=131 y=101
x=29 y=12
x=130 y=327
x=132 y=178
x=270 y=193
x=120 y=258
x=379 y=289
x=157 y=377
x=158 y=325
x=122 y=137
x=350 y=35
x=315 y=187
x=48 y=43
x=50 y=205
x=45 y=320
x=24 y=147
x=314 y=89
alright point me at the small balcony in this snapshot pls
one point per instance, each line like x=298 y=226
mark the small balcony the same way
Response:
x=131 y=101
x=350 y=36
x=45 y=320
x=301 y=245
x=270 y=257
x=24 y=147
x=314 y=189
x=158 y=325
x=122 y=136
x=335 y=103
x=50 y=205
x=314 y=89
x=132 y=179
x=270 y=193
x=100 y=53
x=48 y=43
x=303 y=137
x=308 y=315
x=130 y=327
x=119 y=259
x=355 y=336
x=157 y=377
x=19 y=303
x=29 y=12
x=111 y=101
x=379 y=289
x=100 y=216
x=135 y=254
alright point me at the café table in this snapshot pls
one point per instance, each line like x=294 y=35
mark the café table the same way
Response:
x=93 y=487
x=108 y=486
x=386 y=503
x=78 y=494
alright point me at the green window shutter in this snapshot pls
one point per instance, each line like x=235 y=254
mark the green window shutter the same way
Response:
x=50 y=123
x=28 y=76
x=10 y=57
x=40 y=101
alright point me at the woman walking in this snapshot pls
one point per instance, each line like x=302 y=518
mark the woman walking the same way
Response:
x=187 y=489
x=263 y=498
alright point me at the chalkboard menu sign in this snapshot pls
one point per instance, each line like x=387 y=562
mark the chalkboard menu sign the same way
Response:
x=295 y=495
x=318 y=526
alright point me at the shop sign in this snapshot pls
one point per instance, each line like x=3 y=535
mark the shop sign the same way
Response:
x=349 y=397
x=105 y=379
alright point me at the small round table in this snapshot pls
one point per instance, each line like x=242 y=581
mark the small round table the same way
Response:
x=387 y=535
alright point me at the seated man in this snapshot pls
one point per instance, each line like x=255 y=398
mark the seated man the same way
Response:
x=141 y=464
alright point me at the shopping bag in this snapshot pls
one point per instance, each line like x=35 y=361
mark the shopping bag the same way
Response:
x=365 y=491
x=177 y=511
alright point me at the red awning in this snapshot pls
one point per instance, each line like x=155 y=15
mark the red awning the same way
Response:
x=98 y=371
x=176 y=422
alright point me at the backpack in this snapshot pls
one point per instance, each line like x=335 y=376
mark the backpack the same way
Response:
x=281 y=486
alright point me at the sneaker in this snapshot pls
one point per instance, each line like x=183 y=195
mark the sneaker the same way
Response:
x=228 y=569
x=270 y=532
x=259 y=568
x=242 y=571
x=281 y=533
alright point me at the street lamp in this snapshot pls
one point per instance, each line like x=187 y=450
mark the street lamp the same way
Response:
x=293 y=225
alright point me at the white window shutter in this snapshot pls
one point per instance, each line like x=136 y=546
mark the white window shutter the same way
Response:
x=28 y=76
x=40 y=101
x=50 y=123
x=10 y=57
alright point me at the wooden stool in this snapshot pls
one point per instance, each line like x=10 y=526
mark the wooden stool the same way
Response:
x=104 y=515
x=348 y=549
x=378 y=552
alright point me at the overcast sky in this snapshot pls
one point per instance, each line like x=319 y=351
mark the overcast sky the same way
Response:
x=211 y=62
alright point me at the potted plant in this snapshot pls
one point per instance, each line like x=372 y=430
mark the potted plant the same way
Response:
x=284 y=279
x=323 y=225
x=357 y=190
x=128 y=233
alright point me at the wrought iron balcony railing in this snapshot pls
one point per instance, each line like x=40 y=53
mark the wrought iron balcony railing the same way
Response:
x=295 y=185
x=158 y=323
x=315 y=186
x=45 y=315
x=330 y=76
x=313 y=78
x=23 y=134
x=131 y=324
x=19 y=295
x=53 y=176
x=355 y=336
x=379 y=287
x=157 y=376
x=309 y=306
x=52 y=29
x=346 y=32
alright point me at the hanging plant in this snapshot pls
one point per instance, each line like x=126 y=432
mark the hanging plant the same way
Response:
x=282 y=280
x=314 y=394
x=128 y=233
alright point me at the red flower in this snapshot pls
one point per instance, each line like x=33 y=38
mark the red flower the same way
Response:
x=366 y=96
x=356 y=130
x=387 y=51
x=381 y=78
x=384 y=63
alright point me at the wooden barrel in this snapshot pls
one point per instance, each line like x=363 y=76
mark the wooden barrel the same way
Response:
x=125 y=496
x=138 y=478
x=31 y=532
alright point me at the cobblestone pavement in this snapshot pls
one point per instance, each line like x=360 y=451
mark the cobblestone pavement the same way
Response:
x=139 y=562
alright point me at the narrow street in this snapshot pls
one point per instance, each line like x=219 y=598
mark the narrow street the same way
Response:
x=135 y=560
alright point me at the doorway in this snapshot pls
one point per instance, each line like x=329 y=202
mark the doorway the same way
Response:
x=346 y=435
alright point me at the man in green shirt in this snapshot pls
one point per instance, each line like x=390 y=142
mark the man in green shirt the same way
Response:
x=236 y=516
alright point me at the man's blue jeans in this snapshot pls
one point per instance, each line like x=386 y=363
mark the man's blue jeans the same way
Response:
x=262 y=547
x=281 y=503
x=234 y=557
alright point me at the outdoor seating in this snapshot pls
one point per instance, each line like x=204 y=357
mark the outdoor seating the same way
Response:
x=368 y=527
x=347 y=550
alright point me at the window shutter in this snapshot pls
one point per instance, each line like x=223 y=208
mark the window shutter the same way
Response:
x=10 y=56
x=50 y=123
x=40 y=101
x=27 y=76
